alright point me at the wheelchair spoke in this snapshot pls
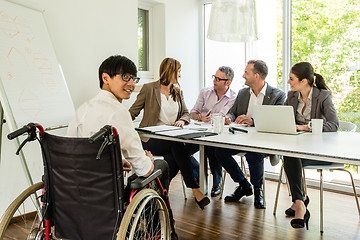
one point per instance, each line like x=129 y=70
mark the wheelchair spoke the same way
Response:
x=23 y=213
x=147 y=218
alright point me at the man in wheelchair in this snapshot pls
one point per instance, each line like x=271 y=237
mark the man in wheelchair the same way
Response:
x=117 y=76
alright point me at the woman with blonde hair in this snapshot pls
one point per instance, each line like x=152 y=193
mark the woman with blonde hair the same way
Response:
x=163 y=103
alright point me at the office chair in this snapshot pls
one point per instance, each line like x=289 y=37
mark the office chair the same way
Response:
x=343 y=126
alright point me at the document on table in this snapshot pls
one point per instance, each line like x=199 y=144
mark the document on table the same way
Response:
x=187 y=132
x=198 y=127
x=232 y=124
x=160 y=128
x=177 y=132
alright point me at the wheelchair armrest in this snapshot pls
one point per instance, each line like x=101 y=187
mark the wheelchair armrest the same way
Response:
x=141 y=182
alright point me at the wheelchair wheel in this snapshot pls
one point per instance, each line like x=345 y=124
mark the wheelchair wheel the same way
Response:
x=30 y=226
x=146 y=217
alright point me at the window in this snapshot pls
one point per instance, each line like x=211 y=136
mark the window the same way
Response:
x=151 y=39
x=326 y=33
x=236 y=54
x=143 y=40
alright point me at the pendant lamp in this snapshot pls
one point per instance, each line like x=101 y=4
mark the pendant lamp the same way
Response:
x=232 y=21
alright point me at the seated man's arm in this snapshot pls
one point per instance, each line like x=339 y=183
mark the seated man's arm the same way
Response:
x=149 y=154
x=231 y=115
x=196 y=111
x=200 y=117
x=130 y=143
x=195 y=115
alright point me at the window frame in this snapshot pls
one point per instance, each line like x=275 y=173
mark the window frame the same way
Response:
x=286 y=66
x=149 y=74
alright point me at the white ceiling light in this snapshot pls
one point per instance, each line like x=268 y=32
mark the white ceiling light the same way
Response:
x=232 y=21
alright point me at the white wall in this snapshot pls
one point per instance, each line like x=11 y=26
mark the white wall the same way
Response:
x=182 y=42
x=84 y=33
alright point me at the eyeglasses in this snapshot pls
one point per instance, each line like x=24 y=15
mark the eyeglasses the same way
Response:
x=218 y=79
x=127 y=77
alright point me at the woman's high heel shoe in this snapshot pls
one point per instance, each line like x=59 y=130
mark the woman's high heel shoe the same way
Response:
x=300 y=223
x=291 y=213
x=203 y=202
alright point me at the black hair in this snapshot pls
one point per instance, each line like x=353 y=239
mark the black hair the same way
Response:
x=116 y=64
x=304 y=70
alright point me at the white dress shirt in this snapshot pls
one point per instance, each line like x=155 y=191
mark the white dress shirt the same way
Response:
x=304 y=117
x=255 y=100
x=105 y=109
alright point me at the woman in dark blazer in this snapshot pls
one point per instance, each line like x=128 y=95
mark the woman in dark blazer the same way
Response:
x=163 y=103
x=311 y=99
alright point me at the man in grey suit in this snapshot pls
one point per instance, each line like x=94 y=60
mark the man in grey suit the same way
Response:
x=259 y=92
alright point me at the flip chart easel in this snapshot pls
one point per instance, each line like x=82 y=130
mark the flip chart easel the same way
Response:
x=32 y=86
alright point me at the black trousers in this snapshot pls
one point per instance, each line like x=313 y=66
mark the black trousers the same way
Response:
x=215 y=165
x=293 y=169
x=177 y=157
x=164 y=177
x=164 y=167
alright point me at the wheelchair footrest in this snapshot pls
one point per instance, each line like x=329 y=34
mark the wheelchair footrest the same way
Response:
x=141 y=182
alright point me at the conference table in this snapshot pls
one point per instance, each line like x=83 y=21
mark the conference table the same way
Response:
x=339 y=147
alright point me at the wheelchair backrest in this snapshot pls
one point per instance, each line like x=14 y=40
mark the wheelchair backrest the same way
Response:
x=86 y=194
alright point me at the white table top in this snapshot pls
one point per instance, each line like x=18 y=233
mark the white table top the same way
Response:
x=341 y=147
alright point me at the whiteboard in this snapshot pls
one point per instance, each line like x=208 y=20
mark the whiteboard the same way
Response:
x=32 y=86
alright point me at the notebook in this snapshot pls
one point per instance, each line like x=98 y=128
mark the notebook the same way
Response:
x=274 y=119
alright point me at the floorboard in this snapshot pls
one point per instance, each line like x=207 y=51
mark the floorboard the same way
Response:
x=220 y=220
x=228 y=221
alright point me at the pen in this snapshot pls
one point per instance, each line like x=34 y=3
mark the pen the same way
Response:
x=208 y=113
x=232 y=130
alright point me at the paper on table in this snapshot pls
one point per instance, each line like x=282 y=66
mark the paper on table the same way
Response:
x=232 y=124
x=160 y=128
x=199 y=123
x=178 y=132
x=202 y=127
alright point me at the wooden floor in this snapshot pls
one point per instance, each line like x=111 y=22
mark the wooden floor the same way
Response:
x=241 y=220
x=220 y=220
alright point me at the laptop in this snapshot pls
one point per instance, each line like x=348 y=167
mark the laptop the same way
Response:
x=275 y=119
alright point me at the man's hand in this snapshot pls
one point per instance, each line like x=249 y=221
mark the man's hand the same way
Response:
x=126 y=165
x=227 y=120
x=179 y=123
x=302 y=128
x=203 y=118
x=243 y=119
x=149 y=154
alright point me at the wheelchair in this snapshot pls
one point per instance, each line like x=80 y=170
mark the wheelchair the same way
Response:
x=82 y=195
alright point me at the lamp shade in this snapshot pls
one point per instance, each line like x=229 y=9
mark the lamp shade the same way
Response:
x=232 y=21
